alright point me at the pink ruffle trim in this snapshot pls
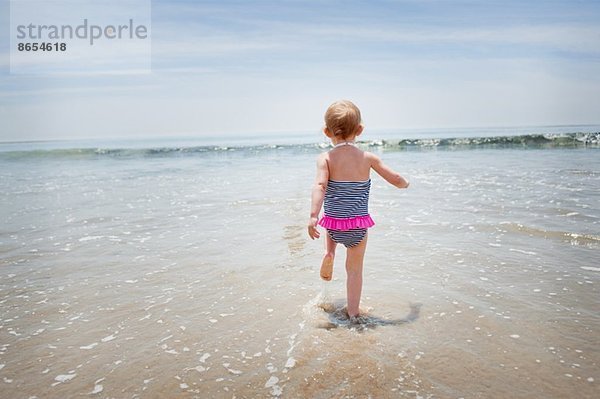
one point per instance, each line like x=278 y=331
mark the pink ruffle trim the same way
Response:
x=357 y=222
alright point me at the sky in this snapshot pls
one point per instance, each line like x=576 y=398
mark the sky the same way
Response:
x=254 y=67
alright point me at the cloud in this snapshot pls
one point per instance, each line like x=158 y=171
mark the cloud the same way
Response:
x=585 y=38
x=75 y=91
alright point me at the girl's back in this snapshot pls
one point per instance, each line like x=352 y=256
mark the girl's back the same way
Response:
x=348 y=163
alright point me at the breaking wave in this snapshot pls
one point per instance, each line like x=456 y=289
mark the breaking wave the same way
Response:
x=562 y=140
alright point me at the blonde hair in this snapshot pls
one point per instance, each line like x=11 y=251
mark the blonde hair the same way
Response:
x=342 y=118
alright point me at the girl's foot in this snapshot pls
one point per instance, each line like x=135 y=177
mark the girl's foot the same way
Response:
x=327 y=267
x=358 y=319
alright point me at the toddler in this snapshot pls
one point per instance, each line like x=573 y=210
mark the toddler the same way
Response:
x=343 y=183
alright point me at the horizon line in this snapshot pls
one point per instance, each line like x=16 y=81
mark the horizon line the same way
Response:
x=253 y=134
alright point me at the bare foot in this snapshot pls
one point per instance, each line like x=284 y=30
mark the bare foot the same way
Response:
x=358 y=319
x=327 y=267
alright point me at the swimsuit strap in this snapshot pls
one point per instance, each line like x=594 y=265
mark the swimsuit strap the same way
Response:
x=345 y=143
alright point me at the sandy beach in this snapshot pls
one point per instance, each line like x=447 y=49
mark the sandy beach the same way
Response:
x=189 y=274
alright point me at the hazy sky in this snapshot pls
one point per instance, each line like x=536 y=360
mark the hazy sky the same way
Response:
x=234 y=67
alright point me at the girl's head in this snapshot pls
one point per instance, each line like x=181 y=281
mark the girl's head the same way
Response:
x=342 y=120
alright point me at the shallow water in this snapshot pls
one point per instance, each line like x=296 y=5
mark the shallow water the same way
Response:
x=191 y=275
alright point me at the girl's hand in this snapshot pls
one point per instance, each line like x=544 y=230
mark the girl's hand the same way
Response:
x=312 y=228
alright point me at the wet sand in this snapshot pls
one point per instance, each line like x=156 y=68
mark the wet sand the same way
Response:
x=180 y=277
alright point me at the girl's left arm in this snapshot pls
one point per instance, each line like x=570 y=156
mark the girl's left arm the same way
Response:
x=318 y=194
x=390 y=175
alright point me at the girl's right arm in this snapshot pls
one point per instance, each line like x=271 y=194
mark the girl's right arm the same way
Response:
x=318 y=194
x=387 y=173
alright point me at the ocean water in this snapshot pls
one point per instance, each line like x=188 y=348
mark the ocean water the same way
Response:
x=182 y=268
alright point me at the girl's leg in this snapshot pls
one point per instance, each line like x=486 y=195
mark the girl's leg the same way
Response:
x=354 y=268
x=327 y=263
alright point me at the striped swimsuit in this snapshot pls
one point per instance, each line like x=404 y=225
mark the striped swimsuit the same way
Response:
x=346 y=215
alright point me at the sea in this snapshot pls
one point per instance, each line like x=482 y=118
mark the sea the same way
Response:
x=180 y=267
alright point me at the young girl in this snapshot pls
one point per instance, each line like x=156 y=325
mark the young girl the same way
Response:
x=343 y=182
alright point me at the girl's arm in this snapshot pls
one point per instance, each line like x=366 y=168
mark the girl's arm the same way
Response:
x=318 y=194
x=387 y=173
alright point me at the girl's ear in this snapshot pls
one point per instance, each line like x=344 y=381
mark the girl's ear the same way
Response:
x=360 y=129
x=326 y=132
